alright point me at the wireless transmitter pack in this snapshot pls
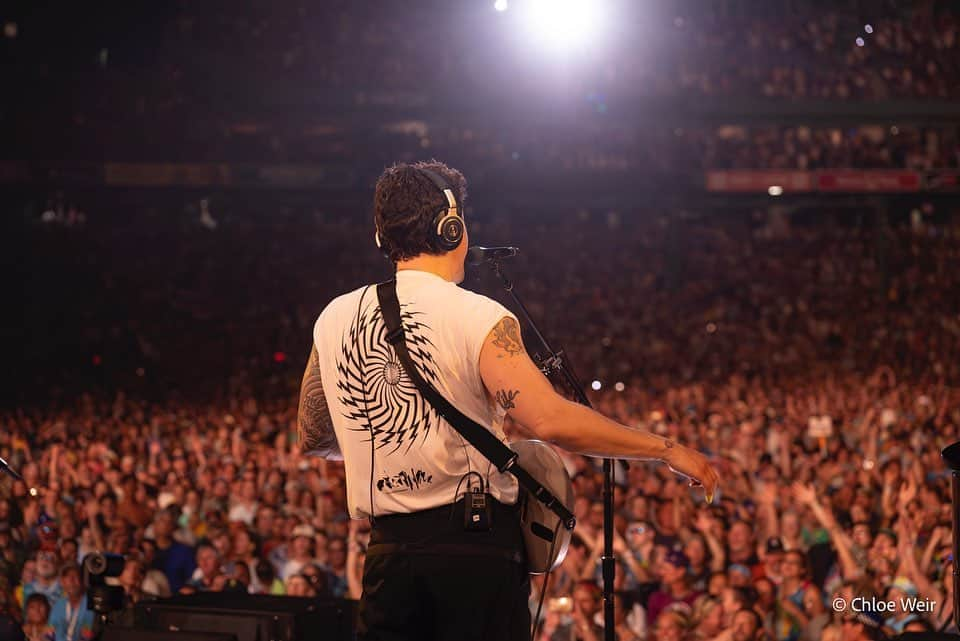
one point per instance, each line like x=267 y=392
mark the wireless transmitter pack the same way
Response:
x=477 y=516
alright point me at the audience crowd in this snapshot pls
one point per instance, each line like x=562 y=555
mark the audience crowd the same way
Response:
x=812 y=356
x=802 y=51
x=348 y=81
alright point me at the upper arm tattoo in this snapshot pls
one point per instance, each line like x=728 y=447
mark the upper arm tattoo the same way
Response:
x=314 y=425
x=505 y=398
x=506 y=336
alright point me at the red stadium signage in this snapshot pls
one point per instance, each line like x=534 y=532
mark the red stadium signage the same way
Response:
x=942 y=180
x=776 y=182
x=872 y=181
x=759 y=180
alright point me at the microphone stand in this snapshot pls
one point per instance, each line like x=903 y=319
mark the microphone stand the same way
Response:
x=557 y=362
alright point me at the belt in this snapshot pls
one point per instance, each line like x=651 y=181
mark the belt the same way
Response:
x=462 y=549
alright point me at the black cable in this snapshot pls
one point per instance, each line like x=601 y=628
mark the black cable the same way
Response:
x=363 y=390
x=546 y=583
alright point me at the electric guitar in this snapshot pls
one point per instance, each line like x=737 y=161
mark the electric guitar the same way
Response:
x=545 y=538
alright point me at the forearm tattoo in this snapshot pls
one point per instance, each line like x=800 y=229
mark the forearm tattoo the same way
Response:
x=314 y=425
x=506 y=336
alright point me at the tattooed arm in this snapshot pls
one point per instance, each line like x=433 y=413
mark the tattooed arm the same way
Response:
x=523 y=391
x=314 y=426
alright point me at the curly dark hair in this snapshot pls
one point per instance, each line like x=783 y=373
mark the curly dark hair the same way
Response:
x=405 y=206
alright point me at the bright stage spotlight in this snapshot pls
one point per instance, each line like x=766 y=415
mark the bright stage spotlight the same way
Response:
x=563 y=24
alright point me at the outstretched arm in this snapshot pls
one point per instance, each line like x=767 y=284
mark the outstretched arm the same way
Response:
x=517 y=385
x=314 y=425
x=848 y=565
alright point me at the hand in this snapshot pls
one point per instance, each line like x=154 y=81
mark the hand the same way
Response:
x=908 y=490
x=704 y=522
x=766 y=493
x=92 y=509
x=804 y=493
x=889 y=476
x=789 y=606
x=940 y=533
x=695 y=466
x=550 y=623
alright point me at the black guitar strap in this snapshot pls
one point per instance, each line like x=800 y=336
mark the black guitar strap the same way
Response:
x=481 y=438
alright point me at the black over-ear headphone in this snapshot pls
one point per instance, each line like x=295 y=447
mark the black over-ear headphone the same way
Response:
x=448 y=223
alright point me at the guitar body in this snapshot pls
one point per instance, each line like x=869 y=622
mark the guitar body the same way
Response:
x=540 y=524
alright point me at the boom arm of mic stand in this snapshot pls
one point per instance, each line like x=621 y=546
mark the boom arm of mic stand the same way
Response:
x=556 y=362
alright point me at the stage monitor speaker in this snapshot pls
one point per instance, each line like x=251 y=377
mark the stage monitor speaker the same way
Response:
x=130 y=634
x=252 y=617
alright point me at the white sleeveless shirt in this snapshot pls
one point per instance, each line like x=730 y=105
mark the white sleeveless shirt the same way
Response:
x=417 y=458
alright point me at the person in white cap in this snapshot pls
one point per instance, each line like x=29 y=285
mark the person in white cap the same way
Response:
x=299 y=550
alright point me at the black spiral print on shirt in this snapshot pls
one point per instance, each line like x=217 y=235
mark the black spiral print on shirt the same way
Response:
x=374 y=387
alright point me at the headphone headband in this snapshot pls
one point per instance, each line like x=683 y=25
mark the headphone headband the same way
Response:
x=453 y=208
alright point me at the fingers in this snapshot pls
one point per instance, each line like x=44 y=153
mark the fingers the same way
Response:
x=710 y=487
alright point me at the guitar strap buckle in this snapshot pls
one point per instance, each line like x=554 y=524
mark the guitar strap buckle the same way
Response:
x=508 y=465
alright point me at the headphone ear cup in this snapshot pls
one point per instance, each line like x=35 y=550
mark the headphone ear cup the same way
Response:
x=449 y=232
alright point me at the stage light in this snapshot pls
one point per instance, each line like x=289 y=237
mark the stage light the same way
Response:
x=595 y=386
x=775 y=190
x=563 y=24
x=500 y=5
x=860 y=42
x=619 y=386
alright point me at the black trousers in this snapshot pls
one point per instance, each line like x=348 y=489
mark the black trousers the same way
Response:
x=427 y=579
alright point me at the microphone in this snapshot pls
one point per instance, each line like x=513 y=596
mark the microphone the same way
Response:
x=5 y=467
x=477 y=255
